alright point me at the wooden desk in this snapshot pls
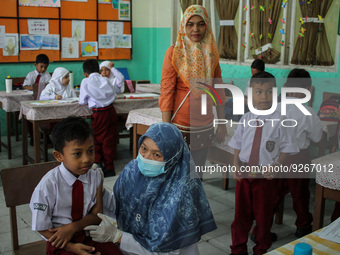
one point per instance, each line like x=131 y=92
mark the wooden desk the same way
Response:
x=320 y=246
x=327 y=185
x=141 y=120
x=45 y=113
x=10 y=103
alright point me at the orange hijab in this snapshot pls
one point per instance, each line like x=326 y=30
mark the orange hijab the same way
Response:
x=193 y=60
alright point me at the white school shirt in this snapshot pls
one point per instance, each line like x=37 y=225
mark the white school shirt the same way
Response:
x=274 y=138
x=49 y=92
x=308 y=128
x=96 y=91
x=32 y=76
x=51 y=201
x=128 y=244
x=117 y=79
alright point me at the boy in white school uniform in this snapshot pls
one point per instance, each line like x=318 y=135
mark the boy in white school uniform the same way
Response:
x=99 y=94
x=39 y=76
x=308 y=128
x=68 y=198
x=259 y=144
x=107 y=70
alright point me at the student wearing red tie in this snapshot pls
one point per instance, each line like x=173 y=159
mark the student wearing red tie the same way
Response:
x=39 y=76
x=259 y=144
x=68 y=198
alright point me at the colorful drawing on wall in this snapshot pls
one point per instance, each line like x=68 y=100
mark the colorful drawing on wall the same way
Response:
x=78 y=30
x=11 y=45
x=124 y=10
x=50 y=42
x=123 y=41
x=44 y=3
x=104 y=1
x=106 y=41
x=30 y=42
x=70 y=48
x=89 y=49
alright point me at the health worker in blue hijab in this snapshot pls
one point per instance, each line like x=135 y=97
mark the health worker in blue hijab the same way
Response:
x=158 y=206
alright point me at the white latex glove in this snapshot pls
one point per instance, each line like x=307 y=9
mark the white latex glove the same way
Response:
x=106 y=231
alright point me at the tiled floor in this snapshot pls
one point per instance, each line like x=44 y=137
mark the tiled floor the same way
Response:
x=221 y=201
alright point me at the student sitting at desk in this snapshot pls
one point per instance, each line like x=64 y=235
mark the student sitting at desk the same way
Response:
x=58 y=87
x=99 y=93
x=107 y=70
x=39 y=76
x=68 y=197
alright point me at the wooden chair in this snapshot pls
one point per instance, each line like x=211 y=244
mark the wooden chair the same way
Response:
x=18 y=185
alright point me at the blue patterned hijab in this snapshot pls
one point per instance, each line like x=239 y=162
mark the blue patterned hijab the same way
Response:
x=169 y=211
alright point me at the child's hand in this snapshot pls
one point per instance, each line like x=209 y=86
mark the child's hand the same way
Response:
x=111 y=65
x=58 y=97
x=62 y=235
x=269 y=173
x=221 y=133
x=81 y=249
x=237 y=174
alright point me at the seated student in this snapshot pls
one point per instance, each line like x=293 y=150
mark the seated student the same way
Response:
x=260 y=144
x=98 y=93
x=160 y=208
x=68 y=198
x=107 y=70
x=58 y=87
x=39 y=76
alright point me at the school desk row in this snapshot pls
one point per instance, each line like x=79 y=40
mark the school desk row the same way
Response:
x=19 y=100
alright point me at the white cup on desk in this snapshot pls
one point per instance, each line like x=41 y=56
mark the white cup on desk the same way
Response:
x=8 y=85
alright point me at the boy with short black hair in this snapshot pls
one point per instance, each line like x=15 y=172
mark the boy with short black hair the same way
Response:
x=68 y=198
x=257 y=66
x=99 y=94
x=39 y=77
x=259 y=145
x=308 y=128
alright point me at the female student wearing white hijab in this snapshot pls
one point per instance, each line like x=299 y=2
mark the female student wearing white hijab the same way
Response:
x=106 y=69
x=58 y=87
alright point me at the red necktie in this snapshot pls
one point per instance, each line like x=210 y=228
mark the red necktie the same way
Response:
x=77 y=200
x=38 y=78
x=255 y=150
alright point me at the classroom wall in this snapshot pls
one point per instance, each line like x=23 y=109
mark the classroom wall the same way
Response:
x=151 y=37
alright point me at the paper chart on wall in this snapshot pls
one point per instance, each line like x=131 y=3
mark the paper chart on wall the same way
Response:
x=11 y=47
x=104 y=1
x=123 y=41
x=124 y=10
x=115 y=4
x=37 y=26
x=70 y=48
x=50 y=42
x=45 y=3
x=114 y=28
x=2 y=36
x=107 y=41
x=30 y=42
x=78 y=30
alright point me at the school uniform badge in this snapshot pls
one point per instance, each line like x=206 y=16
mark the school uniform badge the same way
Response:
x=40 y=207
x=270 y=145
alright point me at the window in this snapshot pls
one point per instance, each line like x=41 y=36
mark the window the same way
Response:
x=285 y=33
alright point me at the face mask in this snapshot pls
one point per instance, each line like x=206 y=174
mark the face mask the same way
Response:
x=150 y=168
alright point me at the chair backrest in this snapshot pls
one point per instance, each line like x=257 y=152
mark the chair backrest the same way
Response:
x=18 y=185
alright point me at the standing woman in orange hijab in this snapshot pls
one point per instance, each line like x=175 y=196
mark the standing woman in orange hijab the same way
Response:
x=189 y=64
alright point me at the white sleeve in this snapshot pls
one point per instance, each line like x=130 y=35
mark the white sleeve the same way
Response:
x=236 y=141
x=118 y=81
x=83 y=96
x=315 y=133
x=29 y=80
x=47 y=93
x=130 y=246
